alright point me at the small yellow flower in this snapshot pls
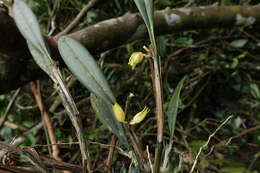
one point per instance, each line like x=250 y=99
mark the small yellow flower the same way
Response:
x=119 y=113
x=131 y=95
x=135 y=59
x=140 y=116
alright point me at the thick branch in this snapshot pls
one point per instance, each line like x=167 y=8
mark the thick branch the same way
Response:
x=17 y=68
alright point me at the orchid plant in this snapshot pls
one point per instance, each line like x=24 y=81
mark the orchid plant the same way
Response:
x=82 y=64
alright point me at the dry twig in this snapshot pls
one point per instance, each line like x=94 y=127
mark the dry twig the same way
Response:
x=149 y=158
x=111 y=153
x=206 y=144
x=90 y=4
x=9 y=106
x=46 y=119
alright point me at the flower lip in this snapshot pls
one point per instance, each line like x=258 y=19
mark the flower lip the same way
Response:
x=140 y=116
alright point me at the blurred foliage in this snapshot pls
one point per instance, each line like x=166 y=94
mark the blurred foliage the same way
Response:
x=222 y=66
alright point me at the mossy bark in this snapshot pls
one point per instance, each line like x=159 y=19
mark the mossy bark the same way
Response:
x=17 y=67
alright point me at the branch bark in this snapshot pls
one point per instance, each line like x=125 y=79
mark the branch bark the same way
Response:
x=17 y=67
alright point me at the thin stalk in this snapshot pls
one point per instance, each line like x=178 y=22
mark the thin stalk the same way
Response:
x=9 y=106
x=138 y=158
x=159 y=109
x=111 y=153
x=74 y=115
x=47 y=121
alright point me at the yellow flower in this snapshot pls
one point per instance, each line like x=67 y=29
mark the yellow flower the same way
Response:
x=131 y=95
x=140 y=116
x=119 y=113
x=135 y=59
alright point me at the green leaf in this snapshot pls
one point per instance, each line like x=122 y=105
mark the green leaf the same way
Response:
x=185 y=41
x=196 y=144
x=173 y=107
x=146 y=9
x=161 y=42
x=150 y=13
x=142 y=9
x=28 y=25
x=239 y=43
x=234 y=63
x=41 y=59
x=166 y=2
x=84 y=67
x=254 y=90
x=226 y=2
x=233 y=170
x=105 y=114
x=30 y=29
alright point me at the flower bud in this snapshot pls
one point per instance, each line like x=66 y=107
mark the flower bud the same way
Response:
x=119 y=113
x=140 y=116
x=135 y=59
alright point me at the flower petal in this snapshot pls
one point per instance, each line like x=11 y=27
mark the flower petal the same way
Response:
x=135 y=59
x=140 y=116
x=119 y=113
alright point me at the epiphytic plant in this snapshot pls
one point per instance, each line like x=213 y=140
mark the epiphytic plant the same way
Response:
x=84 y=67
x=30 y=29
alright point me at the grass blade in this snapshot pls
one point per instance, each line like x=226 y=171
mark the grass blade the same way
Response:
x=173 y=107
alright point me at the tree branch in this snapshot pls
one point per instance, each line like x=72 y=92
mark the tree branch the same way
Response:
x=17 y=67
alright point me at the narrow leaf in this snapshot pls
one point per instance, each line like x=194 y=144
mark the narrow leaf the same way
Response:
x=41 y=59
x=28 y=25
x=146 y=9
x=142 y=9
x=105 y=114
x=84 y=67
x=173 y=107
x=150 y=13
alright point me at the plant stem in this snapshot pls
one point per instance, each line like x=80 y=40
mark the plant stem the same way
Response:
x=74 y=115
x=159 y=108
